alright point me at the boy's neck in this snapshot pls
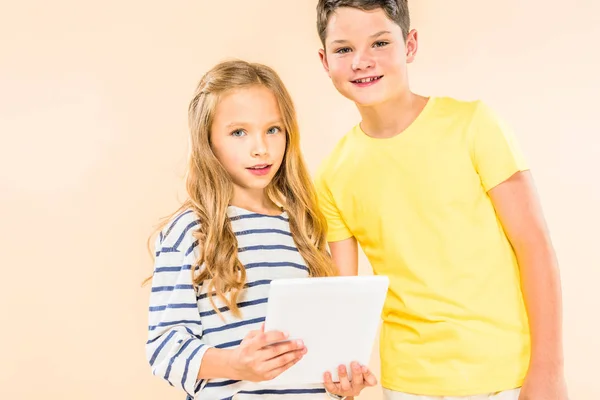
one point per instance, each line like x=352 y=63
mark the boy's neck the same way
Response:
x=391 y=118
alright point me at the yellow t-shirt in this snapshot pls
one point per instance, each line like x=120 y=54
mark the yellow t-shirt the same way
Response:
x=454 y=321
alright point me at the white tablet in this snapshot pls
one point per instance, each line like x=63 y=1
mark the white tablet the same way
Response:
x=336 y=317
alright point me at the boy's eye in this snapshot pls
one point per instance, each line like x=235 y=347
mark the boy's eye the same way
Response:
x=238 y=133
x=380 y=44
x=343 y=50
x=273 y=130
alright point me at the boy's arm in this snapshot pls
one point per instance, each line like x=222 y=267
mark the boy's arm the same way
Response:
x=520 y=214
x=345 y=256
x=505 y=176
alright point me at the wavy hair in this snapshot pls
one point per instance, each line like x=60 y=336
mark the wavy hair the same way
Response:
x=210 y=189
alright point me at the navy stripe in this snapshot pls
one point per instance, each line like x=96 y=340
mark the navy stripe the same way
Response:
x=234 y=325
x=181 y=349
x=198 y=386
x=174 y=306
x=258 y=283
x=175 y=247
x=173 y=269
x=186 y=328
x=246 y=216
x=176 y=220
x=187 y=364
x=267 y=247
x=171 y=288
x=185 y=231
x=221 y=383
x=275 y=264
x=228 y=344
x=170 y=323
x=247 y=285
x=160 y=347
x=240 y=305
x=166 y=250
x=283 y=391
x=192 y=247
x=253 y=231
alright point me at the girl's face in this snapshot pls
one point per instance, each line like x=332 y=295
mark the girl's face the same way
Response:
x=248 y=138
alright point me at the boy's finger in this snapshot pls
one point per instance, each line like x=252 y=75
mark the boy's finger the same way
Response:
x=344 y=382
x=368 y=376
x=357 y=375
x=329 y=385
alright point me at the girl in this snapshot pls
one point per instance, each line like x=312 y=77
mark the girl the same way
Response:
x=251 y=217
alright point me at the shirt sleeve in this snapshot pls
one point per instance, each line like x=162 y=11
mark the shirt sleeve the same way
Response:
x=175 y=347
x=495 y=151
x=336 y=227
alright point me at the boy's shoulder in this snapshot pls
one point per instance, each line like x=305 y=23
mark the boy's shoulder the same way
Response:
x=463 y=109
x=343 y=151
x=451 y=111
x=448 y=105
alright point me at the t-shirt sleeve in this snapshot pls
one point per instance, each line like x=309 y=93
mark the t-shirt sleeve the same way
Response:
x=495 y=151
x=336 y=227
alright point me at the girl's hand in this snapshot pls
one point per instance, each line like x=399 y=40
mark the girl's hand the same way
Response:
x=261 y=358
x=361 y=378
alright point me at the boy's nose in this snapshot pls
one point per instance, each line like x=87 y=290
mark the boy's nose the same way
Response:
x=361 y=61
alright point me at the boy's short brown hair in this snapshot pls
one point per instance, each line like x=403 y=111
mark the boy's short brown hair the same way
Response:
x=396 y=10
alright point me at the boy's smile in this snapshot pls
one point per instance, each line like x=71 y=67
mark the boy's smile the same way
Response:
x=368 y=81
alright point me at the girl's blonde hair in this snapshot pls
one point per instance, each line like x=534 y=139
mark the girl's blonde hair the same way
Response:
x=210 y=189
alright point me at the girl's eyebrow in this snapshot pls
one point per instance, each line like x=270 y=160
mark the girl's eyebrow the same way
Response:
x=235 y=124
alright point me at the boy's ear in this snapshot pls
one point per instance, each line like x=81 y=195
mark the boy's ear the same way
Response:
x=323 y=58
x=412 y=45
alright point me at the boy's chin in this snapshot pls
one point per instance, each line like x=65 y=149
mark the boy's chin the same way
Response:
x=367 y=101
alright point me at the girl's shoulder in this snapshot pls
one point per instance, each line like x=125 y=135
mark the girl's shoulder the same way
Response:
x=179 y=229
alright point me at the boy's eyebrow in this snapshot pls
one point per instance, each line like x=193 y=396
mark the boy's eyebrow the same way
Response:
x=373 y=36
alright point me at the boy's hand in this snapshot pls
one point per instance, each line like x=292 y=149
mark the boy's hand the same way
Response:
x=544 y=385
x=361 y=378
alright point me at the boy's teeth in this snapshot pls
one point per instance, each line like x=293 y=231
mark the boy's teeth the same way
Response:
x=366 y=80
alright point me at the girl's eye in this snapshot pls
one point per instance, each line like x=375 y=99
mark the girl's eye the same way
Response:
x=238 y=133
x=274 y=130
x=380 y=44
x=343 y=50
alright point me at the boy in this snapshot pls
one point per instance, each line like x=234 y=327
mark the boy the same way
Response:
x=438 y=195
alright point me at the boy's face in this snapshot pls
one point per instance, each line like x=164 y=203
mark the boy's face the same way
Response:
x=365 y=55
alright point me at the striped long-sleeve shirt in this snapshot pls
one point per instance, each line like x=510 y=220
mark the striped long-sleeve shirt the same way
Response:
x=182 y=321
